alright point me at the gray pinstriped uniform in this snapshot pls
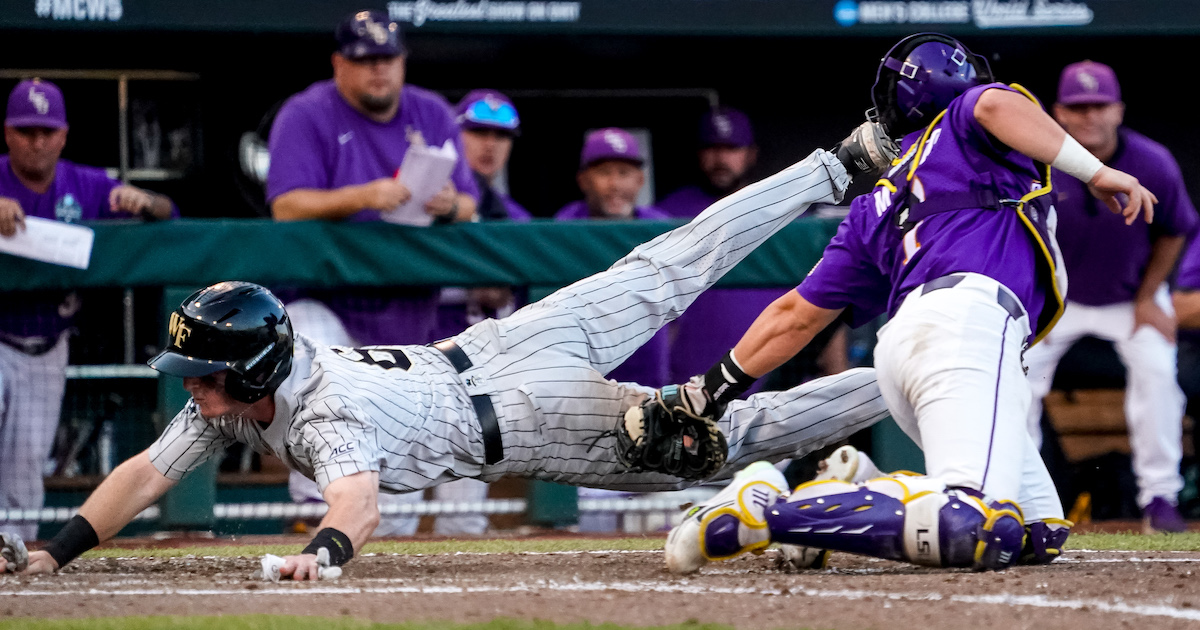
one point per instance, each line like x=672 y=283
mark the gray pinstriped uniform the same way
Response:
x=345 y=411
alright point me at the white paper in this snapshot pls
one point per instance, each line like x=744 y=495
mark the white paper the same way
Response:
x=51 y=241
x=424 y=172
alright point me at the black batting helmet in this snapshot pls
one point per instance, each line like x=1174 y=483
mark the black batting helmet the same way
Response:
x=235 y=326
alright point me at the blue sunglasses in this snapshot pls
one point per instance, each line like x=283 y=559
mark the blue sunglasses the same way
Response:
x=500 y=115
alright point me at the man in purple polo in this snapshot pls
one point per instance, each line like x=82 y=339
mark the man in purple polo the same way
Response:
x=955 y=243
x=335 y=150
x=727 y=153
x=716 y=320
x=1119 y=284
x=35 y=325
x=610 y=177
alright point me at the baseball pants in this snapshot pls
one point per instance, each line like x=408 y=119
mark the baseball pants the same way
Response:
x=318 y=322
x=949 y=367
x=31 y=392
x=545 y=365
x=1154 y=403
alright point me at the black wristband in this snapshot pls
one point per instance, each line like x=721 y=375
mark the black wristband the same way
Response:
x=76 y=537
x=339 y=546
x=725 y=381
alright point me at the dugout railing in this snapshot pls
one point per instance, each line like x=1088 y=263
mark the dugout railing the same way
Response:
x=181 y=256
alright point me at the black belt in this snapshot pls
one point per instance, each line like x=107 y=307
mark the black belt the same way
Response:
x=1003 y=297
x=34 y=346
x=493 y=445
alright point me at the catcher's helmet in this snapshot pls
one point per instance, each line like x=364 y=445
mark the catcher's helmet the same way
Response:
x=235 y=326
x=919 y=77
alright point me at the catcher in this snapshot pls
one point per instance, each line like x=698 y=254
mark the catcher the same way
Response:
x=522 y=396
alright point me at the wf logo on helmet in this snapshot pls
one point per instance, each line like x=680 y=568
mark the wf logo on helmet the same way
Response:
x=177 y=330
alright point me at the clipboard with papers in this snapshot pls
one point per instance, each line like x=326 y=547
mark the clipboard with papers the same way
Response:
x=424 y=171
x=51 y=241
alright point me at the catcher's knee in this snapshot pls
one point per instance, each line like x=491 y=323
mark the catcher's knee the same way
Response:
x=915 y=519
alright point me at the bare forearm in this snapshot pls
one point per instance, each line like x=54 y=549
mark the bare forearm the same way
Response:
x=782 y=330
x=1187 y=308
x=160 y=206
x=1163 y=254
x=132 y=487
x=353 y=506
x=1020 y=124
x=308 y=203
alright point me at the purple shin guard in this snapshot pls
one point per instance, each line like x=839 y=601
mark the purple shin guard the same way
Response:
x=1044 y=541
x=860 y=521
x=912 y=519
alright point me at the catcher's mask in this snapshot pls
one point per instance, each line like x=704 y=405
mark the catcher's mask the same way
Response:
x=919 y=77
x=236 y=326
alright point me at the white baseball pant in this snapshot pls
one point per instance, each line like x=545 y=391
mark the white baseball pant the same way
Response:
x=31 y=392
x=1154 y=403
x=949 y=367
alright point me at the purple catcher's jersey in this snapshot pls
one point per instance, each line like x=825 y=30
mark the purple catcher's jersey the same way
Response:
x=878 y=256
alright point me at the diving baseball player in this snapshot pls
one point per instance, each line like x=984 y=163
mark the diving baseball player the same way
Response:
x=956 y=243
x=522 y=396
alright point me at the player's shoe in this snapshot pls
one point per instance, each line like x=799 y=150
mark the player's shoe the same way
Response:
x=1161 y=516
x=1044 y=540
x=729 y=524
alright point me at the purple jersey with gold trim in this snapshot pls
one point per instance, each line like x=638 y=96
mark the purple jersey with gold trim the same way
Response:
x=1105 y=258
x=871 y=264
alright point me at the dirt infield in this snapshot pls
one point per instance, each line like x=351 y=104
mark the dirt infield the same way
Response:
x=1084 y=590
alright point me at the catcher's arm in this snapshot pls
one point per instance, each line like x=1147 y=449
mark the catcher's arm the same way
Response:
x=132 y=487
x=781 y=331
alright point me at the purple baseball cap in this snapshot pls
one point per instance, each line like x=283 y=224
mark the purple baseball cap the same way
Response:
x=369 y=34
x=1088 y=83
x=610 y=143
x=726 y=126
x=488 y=109
x=36 y=103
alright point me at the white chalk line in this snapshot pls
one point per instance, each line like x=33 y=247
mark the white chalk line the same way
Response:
x=1004 y=599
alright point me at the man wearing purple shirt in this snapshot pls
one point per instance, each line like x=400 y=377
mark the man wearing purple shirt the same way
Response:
x=34 y=325
x=335 y=151
x=1118 y=284
x=611 y=176
x=956 y=244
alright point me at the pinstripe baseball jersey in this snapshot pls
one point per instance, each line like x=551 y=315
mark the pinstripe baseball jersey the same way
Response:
x=407 y=413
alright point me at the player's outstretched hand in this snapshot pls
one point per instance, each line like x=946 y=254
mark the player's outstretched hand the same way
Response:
x=40 y=562
x=1122 y=193
x=301 y=567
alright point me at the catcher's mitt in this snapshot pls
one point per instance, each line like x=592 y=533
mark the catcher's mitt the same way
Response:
x=13 y=550
x=665 y=435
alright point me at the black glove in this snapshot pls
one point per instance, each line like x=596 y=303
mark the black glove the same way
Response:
x=666 y=435
x=677 y=431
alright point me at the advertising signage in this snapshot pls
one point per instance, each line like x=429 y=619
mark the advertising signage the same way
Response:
x=666 y=17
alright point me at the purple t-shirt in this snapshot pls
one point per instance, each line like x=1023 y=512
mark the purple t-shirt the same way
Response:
x=649 y=364
x=1105 y=258
x=579 y=210
x=686 y=202
x=318 y=141
x=870 y=265
x=78 y=193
